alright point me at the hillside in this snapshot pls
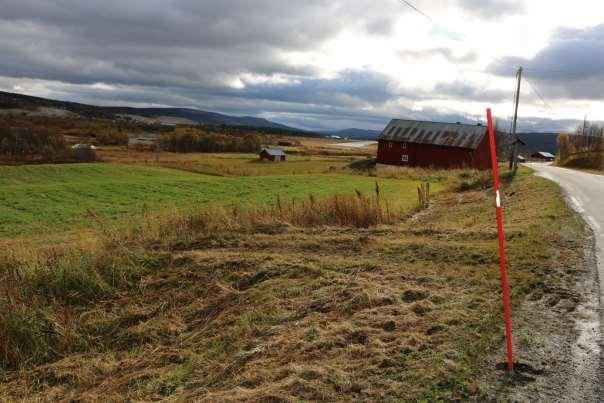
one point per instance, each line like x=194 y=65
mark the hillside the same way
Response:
x=161 y=115
x=539 y=142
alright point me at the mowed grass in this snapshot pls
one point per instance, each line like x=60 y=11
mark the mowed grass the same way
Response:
x=231 y=164
x=51 y=198
x=202 y=309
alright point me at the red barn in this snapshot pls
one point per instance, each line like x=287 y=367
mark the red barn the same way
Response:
x=430 y=144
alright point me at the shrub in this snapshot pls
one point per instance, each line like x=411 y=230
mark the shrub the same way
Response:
x=584 y=149
x=25 y=338
x=197 y=141
x=473 y=180
x=25 y=142
x=112 y=138
x=84 y=154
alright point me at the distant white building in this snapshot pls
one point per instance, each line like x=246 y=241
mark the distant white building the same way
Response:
x=83 y=147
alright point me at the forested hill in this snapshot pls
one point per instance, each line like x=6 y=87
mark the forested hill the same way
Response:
x=10 y=100
x=539 y=142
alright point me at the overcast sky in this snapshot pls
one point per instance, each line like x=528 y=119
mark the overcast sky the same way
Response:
x=313 y=64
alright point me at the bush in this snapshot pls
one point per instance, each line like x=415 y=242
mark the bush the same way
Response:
x=25 y=142
x=366 y=164
x=84 y=154
x=25 y=338
x=112 y=138
x=584 y=149
x=474 y=180
x=197 y=141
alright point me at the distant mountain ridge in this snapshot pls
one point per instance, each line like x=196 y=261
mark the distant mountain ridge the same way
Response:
x=10 y=100
x=539 y=142
x=534 y=141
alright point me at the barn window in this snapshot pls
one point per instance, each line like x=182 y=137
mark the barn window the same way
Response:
x=404 y=145
x=390 y=144
x=405 y=158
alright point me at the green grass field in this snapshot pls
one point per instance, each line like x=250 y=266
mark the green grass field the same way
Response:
x=50 y=198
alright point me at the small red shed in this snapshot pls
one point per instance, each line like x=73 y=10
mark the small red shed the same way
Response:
x=431 y=144
x=272 y=154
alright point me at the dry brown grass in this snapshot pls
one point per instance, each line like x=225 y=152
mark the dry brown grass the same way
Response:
x=233 y=164
x=220 y=308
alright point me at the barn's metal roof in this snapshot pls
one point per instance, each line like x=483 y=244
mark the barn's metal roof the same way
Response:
x=273 y=151
x=545 y=154
x=440 y=134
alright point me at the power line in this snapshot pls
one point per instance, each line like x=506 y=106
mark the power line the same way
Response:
x=433 y=21
x=500 y=61
x=496 y=59
x=419 y=11
x=536 y=91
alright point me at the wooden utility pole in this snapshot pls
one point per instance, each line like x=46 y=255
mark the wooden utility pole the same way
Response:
x=583 y=132
x=514 y=154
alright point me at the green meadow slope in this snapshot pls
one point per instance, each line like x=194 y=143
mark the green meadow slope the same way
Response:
x=50 y=198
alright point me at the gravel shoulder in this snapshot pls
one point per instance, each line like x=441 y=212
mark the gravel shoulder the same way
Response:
x=557 y=339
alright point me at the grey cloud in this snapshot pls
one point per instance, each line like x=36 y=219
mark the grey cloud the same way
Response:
x=380 y=26
x=183 y=53
x=306 y=116
x=171 y=42
x=462 y=90
x=570 y=66
x=351 y=88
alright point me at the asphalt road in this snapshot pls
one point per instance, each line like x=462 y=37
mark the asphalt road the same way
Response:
x=585 y=192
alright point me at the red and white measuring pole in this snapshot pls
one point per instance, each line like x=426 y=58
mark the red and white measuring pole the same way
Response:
x=504 y=279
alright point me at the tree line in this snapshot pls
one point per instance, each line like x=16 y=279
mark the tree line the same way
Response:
x=190 y=140
x=27 y=138
x=585 y=147
x=18 y=143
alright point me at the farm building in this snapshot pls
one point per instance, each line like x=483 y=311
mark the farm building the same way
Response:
x=84 y=152
x=83 y=147
x=272 y=154
x=431 y=144
x=543 y=155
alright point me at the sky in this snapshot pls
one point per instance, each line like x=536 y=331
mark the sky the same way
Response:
x=314 y=64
